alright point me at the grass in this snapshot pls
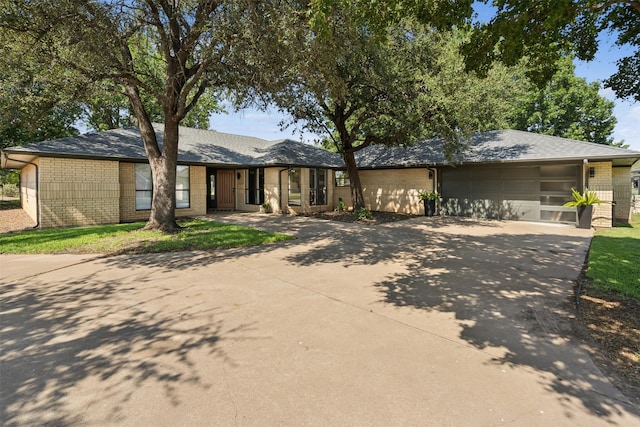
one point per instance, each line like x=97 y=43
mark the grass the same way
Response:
x=10 y=204
x=614 y=259
x=130 y=238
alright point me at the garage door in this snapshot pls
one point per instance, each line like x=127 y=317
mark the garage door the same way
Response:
x=533 y=193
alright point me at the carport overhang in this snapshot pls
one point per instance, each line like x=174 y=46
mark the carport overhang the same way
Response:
x=13 y=160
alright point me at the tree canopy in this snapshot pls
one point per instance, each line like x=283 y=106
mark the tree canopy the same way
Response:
x=567 y=106
x=162 y=56
x=360 y=86
x=32 y=107
x=544 y=32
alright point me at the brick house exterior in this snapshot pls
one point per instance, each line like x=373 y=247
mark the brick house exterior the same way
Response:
x=100 y=178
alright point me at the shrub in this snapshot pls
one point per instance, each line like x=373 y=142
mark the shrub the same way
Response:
x=341 y=206
x=10 y=190
x=362 y=213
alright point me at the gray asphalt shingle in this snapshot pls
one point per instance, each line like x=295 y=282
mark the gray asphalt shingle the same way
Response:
x=489 y=147
x=213 y=148
x=196 y=146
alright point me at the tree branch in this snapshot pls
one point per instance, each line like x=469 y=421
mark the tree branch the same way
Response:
x=633 y=3
x=157 y=22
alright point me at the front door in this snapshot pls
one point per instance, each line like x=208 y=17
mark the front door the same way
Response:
x=224 y=189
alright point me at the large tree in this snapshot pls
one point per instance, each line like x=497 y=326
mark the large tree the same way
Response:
x=567 y=106
x=117 y=45
x=31 y=108
x=543 y=32
x=359 y=85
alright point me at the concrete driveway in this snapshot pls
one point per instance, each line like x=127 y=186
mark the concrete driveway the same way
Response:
x=429 y=321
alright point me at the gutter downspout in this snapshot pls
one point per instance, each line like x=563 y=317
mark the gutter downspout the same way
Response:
x=37 y=187
x=434 y=185
x=585 y=173
x=280 y=188
x=434 y=181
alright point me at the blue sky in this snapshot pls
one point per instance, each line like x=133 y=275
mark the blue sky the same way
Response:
x=603 y=66
x=266 y=124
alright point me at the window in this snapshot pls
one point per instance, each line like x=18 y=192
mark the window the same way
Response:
x=342 y=179
x=294 y=187
x=182 y=186
x=212 y=187
x=144 y=187
x=318 y=186
x=254 y=186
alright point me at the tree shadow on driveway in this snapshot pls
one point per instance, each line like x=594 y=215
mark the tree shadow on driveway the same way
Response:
x=510 y=294
x=102 y=338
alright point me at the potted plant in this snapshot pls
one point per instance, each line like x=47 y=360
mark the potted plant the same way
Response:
x=265 y=208
x=584 y=203
x=429 y=199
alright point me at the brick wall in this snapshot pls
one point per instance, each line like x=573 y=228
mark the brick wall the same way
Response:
x=76 y=192
x=622 y=193
x=343 y=193
x=197 y=194
x=395 y=190
x=28 y=194
x=602 y=184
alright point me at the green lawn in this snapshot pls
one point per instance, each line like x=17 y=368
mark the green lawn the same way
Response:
x=614 y=259
x=9 y=204
x=130 y=238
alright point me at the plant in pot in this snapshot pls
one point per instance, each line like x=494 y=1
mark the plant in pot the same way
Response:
x=429 y=199
x=266 y=208
x=584 y=203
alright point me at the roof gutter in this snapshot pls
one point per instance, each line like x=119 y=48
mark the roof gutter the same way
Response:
x=37 y=186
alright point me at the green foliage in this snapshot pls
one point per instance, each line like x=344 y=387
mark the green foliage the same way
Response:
x=586 y=198
x=362 y=213
x=9 y=176
x=34 y=104
x=429 y=195
x=9 y=190
x=10 y=204
x=131 y=238
x=340 y=87
x=163 y=58
x=109 y=109
x=543 y=32
x=360 y=83
x=341 y=205
x=567 y=106
x=613 y=259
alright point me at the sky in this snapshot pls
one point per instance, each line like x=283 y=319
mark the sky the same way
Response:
x=602 y=67
x=265 y=125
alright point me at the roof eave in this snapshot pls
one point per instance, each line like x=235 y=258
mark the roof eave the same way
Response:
x=10 y=160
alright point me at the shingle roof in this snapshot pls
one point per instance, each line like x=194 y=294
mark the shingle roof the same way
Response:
x=196 y=146
x=492 y=147
x=227 y=150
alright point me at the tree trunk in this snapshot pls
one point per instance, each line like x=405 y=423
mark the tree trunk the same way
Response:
x=163 y=172
x=163 y=164
x=357 y=197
